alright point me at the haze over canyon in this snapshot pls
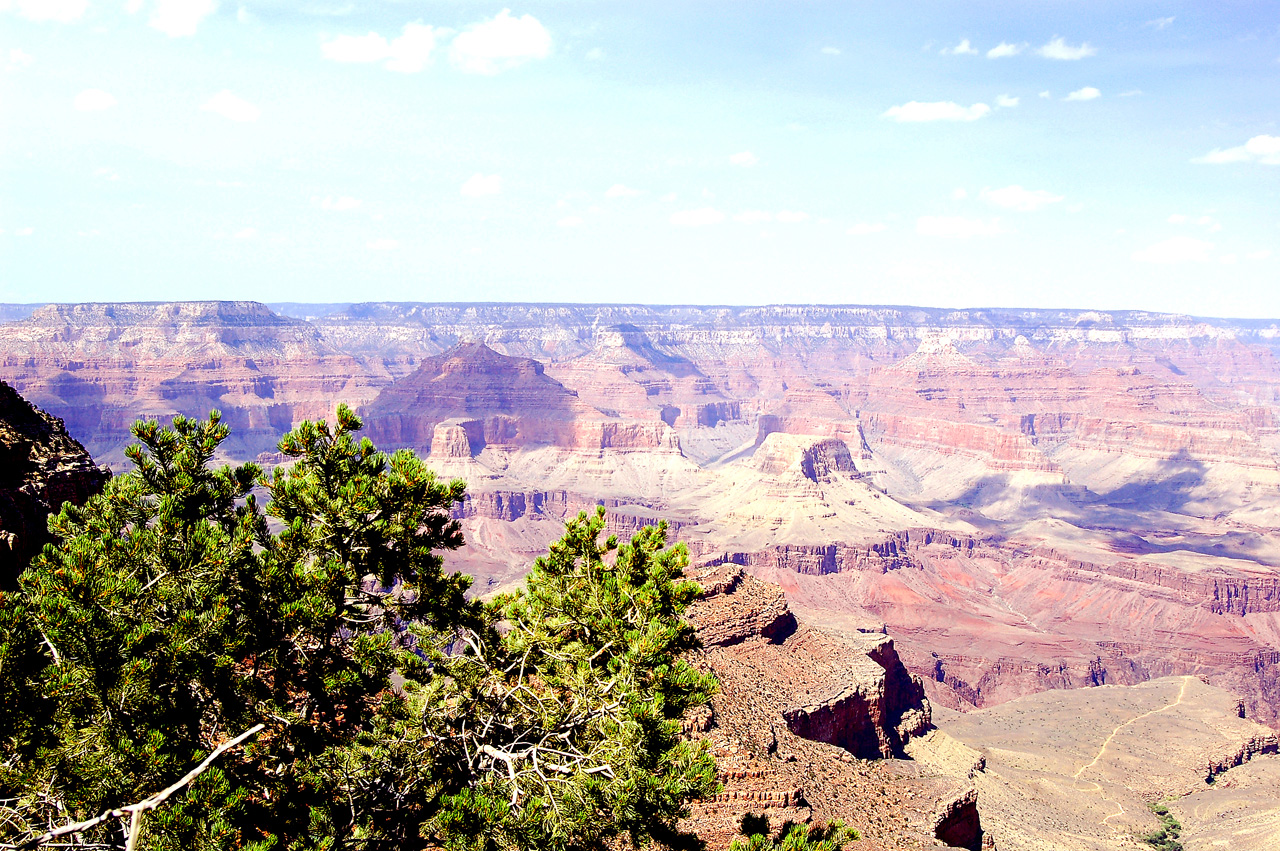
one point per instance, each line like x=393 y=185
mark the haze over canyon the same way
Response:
x=1023 y=501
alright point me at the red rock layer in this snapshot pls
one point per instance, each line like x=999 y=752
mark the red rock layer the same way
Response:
x=101 y=366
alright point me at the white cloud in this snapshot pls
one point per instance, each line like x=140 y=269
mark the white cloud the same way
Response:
x=959 y=193
x=133 y=7
x=618 y=190
x=744 y=158
x=937 y=111
x=1130 y=93
x=697 y=218
x=106 y=174
x=1260 y=149
x=1177 y=219
x=1016 y=198
x=831 y=51
x=356 y=48
x=1004 y=49
x=229 y=106
x=1087 y=93
x=595 y=54
x=500 y=44
x=1179 y=249
x=340 y=204
x=62 y=11
x=24 y=231
x=957 y=227
x=408 y=53
x=93 y=100
x=1059 y=49
x=964 y=48
x=478 y=185
x=382 y=244
x=753 y=217
x=245 y=233
x=1228 y=259
x=1006 y=101
x=1259 y=255
x=1160 y=23
x=570 y=222
x=1045 y=94
x=19 y=58
x=670 y=196
x=181 y=17
x=864 y=228
x=791 y=217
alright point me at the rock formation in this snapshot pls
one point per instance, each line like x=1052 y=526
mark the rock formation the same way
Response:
x=795 y=707
x=41 y=467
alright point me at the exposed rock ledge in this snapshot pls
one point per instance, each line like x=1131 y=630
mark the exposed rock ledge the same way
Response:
x=956 y=822
x=848 y=691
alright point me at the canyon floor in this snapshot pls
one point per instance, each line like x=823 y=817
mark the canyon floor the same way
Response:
x=1033 y=505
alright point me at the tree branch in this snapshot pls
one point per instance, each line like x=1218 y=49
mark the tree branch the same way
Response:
x=135 y=811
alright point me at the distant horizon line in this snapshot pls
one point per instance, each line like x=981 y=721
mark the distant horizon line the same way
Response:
x=281 y=307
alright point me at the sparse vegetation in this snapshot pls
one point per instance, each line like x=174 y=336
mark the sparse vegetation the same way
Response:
x=831 y=836
x=1166 y=838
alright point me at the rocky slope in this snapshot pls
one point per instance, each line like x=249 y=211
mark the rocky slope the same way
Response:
x=41 y=467
x=795 y=706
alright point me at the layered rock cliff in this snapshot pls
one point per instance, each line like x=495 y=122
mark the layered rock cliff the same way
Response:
x=99 y=367
x=794 y=709
x=849 y=690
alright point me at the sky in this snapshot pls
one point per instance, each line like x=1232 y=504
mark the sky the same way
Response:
x=1107 y=155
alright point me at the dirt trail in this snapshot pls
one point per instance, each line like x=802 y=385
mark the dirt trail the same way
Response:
x=1102 y=750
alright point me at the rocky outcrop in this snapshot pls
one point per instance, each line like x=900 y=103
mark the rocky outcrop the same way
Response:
x=850 y=691
x=41 y=467
x=1254 y=746
x=870 y=719
x=734 y=607
x=957 y=822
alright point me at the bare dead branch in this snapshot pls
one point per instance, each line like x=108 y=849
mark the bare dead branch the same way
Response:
x=135 y=811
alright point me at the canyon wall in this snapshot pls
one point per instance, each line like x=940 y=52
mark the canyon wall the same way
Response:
x=1023 y=499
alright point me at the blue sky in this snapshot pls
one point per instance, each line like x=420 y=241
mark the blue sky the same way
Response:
x=1052 y=154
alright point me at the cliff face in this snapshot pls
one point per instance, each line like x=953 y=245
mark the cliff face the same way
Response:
x=849 y=690
x=795 y=706
x=41 y=467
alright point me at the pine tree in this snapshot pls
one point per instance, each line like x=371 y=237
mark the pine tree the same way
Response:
x=170 y=617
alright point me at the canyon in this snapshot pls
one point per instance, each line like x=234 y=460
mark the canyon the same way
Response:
x=1013 y=504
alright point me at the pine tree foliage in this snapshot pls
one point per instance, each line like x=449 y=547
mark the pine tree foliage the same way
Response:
x=573 y=709
x=175 y=613
x=831 y=836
